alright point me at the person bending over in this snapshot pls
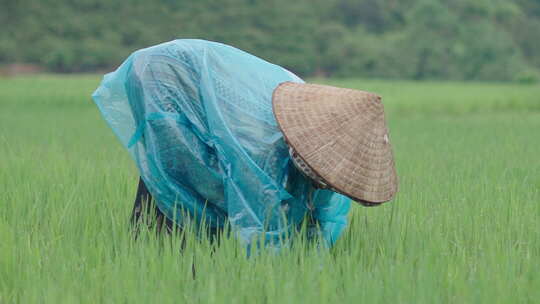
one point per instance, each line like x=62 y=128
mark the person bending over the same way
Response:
x=222 y=137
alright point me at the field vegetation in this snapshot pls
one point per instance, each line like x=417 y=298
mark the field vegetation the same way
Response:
x=464 y=228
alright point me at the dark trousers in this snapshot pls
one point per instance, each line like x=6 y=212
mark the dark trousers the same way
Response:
x=145 y=211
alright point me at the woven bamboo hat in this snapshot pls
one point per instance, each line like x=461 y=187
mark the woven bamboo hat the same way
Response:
x=341 y=135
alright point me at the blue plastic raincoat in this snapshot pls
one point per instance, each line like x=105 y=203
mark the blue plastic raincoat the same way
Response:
x=196 y=116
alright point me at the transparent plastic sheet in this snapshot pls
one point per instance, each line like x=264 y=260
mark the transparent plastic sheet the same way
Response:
x=196 y=116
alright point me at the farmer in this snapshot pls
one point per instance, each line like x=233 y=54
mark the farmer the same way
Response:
x=221 y=136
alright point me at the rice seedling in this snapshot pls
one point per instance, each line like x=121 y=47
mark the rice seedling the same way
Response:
x=464 y=227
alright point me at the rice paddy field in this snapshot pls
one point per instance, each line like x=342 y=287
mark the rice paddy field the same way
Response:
x=464 y=228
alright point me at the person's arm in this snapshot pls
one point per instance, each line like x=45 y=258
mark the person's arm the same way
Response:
x=331 y=210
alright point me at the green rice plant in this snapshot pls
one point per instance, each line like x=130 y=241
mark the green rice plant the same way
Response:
x=464 y=227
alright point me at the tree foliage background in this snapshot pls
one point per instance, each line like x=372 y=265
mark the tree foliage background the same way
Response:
x=413 y=39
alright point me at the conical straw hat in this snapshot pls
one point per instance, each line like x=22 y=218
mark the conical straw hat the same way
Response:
x=341 y=135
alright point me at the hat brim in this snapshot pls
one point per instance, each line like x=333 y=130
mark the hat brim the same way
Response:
x=341 y=135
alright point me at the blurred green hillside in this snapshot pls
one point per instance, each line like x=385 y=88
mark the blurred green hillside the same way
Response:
x=409 y=39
